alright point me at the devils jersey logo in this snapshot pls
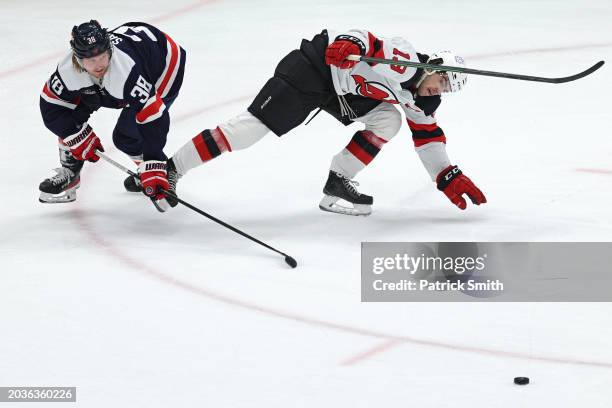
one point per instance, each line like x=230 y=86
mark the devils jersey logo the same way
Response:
x=374 y=90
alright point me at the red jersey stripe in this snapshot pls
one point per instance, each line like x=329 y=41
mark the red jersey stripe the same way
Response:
x=226 y=146
x=422 y=126
x=421 y=142
x=173 y=59
x=380 y=53
x=150 y=109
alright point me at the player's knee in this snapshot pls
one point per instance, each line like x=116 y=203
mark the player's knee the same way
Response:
x=121 y=145
x=127 y=145
x=385 y=122
x=116 y=138
x=243 y=131
x=395 y=123
x=240 y=141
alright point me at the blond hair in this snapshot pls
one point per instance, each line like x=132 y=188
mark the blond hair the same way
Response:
x=75 y=64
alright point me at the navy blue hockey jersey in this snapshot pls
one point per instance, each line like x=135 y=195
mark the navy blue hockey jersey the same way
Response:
x=145 y=74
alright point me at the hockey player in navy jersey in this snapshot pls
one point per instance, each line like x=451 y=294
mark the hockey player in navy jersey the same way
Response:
x=136 y=68
x=318 y=75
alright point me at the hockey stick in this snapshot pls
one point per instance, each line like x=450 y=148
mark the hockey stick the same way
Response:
x=435 y=67
x=288 y=259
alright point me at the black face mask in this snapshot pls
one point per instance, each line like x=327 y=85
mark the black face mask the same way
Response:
x=427 y=104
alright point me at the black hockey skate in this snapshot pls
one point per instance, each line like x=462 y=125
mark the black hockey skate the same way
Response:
x=132 y=184
x=338 y=188
x=60 y=188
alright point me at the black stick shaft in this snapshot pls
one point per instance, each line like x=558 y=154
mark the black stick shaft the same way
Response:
x=192 y=207
x=434 y=67
x=218 y=221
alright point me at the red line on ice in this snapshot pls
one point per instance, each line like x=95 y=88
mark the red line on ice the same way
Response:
x=56 y=55
x=82 y=220
x=182 y=10
x=364 y=355
x=24 y=67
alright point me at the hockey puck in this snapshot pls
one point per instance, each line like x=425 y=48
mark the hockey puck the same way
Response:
x=521 y=380
x=290 y=261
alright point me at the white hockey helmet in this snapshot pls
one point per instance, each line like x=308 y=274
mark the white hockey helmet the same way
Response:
x=456 y=80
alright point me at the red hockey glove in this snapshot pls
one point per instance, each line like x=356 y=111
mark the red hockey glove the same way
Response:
x=336 y=53
x=154 y=179
x=454 y=184
x=84 y=143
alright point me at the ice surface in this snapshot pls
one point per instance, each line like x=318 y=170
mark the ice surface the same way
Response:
x=140 y=309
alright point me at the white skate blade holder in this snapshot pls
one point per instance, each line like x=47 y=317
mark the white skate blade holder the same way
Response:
x=67 y=196
x=161 y=205
x=330 y=204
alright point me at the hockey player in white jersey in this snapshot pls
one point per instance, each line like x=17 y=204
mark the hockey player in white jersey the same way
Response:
x=319 y=75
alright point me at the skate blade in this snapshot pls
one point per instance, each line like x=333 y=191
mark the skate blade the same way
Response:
x=65 y=197
x=161 y=205
x=330 y=204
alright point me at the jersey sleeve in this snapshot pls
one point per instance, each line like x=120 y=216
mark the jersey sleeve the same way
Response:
x=396 y=48
x=150 y=113
x=61 y=110
x=359 y=37
x=428 y=138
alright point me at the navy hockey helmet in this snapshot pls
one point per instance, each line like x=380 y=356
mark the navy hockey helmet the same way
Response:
x=89 y=39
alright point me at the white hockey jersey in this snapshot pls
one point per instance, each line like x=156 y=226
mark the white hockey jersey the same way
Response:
x=384 y=82
x=377 y=81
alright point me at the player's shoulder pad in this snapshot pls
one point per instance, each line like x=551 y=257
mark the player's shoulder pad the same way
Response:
x=136 y=32
x=397 y=48
x=72 y=79
x=121 y=66
x=136 y=24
